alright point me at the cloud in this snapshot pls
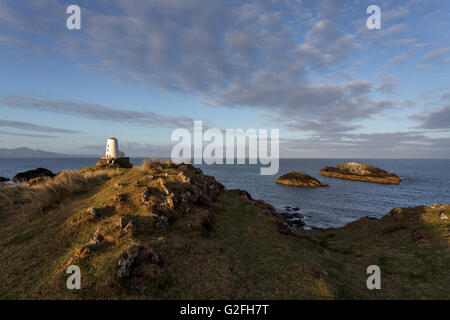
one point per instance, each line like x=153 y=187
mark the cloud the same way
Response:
x=395 y=13
x=90 y=111
x=244 y=55
x=385 y=33
x=29 y=135
x=241 y=55
x=410 y=144
x=438 y=119
x=436 y=56
x=325 y=44
x=401 y=58
x=387 y=85
x=33 y=127
x=445 y=96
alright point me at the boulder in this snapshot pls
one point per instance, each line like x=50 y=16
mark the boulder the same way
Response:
x=284 y=228
x=295 y=222
x=300 y=179
x=292 y=215
x=360 y=172
x=147 y=197
x=30 y=174
x=94 y=212
x=97 y=238
x=137 y=259
x=125 y=265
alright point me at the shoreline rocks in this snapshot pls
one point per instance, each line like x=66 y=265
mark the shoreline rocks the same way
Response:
x=300 y=179
x=31 y=174
x=293 y=219
x=360 y=172
x=3 y=179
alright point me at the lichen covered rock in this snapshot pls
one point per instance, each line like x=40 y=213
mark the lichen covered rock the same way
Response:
x=109 y=162
x=360 y=172
x=300 y=179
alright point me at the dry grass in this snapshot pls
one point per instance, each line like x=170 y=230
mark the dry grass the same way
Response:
x=156 y=162
x=41 y=196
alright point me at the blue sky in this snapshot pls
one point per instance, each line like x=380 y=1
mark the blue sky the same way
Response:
x=139 y=69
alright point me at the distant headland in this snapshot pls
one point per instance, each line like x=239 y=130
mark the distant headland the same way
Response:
x=24 y=152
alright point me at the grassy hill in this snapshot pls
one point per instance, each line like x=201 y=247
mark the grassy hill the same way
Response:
x=197 y=240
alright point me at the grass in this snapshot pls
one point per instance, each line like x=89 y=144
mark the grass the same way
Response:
x=242 y=256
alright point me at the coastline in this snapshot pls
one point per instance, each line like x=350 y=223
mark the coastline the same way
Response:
x=342 y=202
x=142 y=231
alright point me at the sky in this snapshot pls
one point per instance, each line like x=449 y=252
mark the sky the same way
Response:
x=138 y=70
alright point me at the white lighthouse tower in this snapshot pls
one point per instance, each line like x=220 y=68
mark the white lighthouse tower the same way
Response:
x=112 y=149
x=114 y=158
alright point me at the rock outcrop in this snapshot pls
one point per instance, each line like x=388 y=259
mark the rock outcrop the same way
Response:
x=300 y=179
x=285 y=220
x=135 y=257
x=108 y=162
x=30 y=174
x=360 y=172
x=293 y=219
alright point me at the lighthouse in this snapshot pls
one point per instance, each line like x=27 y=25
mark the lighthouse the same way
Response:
x=114 y=158
x=112 y=149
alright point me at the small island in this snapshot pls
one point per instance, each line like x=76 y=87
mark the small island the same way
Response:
x=300 y=179
x=360 y=172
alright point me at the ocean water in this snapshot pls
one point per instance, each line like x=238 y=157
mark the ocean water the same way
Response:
x=424 y=182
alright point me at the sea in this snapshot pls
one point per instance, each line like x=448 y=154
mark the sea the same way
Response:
x=425 y=182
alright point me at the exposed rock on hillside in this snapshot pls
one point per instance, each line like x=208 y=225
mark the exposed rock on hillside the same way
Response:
x=123 y=162
x=285 y=221
x=300 y=179
x=360 y=172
